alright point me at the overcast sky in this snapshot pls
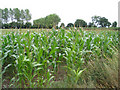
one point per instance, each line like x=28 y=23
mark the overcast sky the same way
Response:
x=68 y=10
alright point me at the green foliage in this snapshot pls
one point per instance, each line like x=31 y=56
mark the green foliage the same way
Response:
x=70 y=25
x=14 y=25
x=27 y=15
x=13 y=16
x=17 y=14
x=49 y=21
x=40 y=23
x=5 y=15
x=0 y=18
x=22 y=15
x=102 y=21
x=80 y=23
x=75 y=75
x=34 y=59
x=95 y=20
x=11 y=13
x=0 y=63
x=52 y=20
x=28 y=25
x=90 y=24
x=114 y=24
x=62 y=25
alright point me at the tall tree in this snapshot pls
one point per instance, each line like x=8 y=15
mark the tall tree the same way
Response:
x=80 y=23
x=1 y=18
x=22 y=17
x=5 y=15
x=49 y=21
x=100 y=21
x=17 y=14
x=27 y=15
x=11 y=13
x=114 y=24
x=95 y=20
x=52 y=20
x=103 y=22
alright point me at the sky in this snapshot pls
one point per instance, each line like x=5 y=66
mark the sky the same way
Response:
x=67 y=10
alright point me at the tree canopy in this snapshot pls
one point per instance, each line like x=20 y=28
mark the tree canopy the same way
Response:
x=95 y=20
x=27 y=15
x=103 y=22
x=52 y=20
x=80 y=23
x=5 y=15
x=114 y=24
x=49 y=21
x=15 y=15
x=70 y=25
x=100 y=21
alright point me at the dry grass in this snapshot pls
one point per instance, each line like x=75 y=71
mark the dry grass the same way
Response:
x=102 y=73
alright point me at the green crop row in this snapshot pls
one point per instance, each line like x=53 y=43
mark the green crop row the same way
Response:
x=33 y=59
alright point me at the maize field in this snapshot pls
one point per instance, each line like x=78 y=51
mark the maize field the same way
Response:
x=36 y=59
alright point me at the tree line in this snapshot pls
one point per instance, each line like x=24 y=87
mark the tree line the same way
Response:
x=97 y=21
x=16 y=18
x=52 y=20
